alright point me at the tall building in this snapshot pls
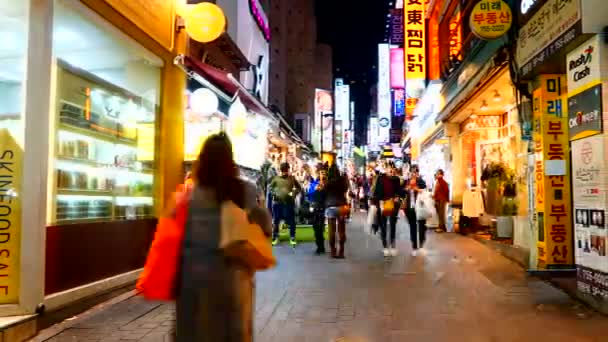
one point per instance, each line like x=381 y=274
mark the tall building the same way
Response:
x=298 y=64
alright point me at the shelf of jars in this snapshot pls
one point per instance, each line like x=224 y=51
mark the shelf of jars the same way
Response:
x=98 y=175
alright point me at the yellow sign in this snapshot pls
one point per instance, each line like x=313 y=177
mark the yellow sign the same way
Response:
x=145 y=141
x=552 y=179
x=155 y=17
x=10 y=217
x=491 y=19
x=415 y=37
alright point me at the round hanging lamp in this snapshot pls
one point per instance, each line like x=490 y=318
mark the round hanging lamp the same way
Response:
x=205 y=22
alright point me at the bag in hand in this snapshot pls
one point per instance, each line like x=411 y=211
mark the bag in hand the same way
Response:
x=424 y=206
x=159 y=277
x=244 y=241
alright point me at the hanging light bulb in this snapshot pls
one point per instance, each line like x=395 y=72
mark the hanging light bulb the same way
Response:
x=205 y=22
x=484 y=105
x=497 y=96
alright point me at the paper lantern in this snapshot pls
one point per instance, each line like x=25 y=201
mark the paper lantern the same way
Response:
x=204 y=101
x=204 y=22
x=237 y=115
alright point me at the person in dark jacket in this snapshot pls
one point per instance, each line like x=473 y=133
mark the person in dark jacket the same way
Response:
x=413 y=187
x=441 y=195
x=335 y=202
x=284 y=189
x=316 y=196
x=388 y=188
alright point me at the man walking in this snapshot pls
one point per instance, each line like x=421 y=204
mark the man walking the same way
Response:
x=441 y=195
x=316 y=196
x=284 y=189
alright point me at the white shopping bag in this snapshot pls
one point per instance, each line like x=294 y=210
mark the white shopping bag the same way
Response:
x=371 y=219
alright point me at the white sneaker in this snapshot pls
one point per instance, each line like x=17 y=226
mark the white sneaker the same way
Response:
x=414 y=253
x=386 y=252
x=422 y=251
x=394 y=252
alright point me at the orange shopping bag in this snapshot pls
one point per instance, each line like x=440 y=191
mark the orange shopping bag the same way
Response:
x=159 y=277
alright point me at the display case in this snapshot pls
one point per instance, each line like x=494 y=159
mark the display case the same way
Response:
x=104 y=151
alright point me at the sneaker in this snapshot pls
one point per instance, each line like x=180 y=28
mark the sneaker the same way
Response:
x=422 y=251
x=414 y=253
x=394 y=252
x=386 y=252
x=293 y=242
x=275 y=241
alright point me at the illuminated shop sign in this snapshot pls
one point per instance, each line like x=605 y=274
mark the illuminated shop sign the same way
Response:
x=260 y=18
x=397 y=34
x=397 y=72
x=490 y=19
x=399 y=99
x=415 y=50
x=384 y=91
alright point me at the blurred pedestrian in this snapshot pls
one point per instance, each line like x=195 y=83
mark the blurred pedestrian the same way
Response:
x=215 y=291
x=388 y=191
x=316 y=195
x=414 y=186
x=337 y=210
x=284 y=189
x=441 y=195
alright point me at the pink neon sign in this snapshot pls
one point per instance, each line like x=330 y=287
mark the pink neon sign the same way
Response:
x=397 y=69
x=260 y=18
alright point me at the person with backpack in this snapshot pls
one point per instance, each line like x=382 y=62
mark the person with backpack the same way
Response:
x=284 y=189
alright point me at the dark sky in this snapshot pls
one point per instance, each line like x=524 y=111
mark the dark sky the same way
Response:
x=354 y=28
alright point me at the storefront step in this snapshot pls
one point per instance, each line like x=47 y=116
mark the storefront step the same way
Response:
x=24 y=328
x=520 y=256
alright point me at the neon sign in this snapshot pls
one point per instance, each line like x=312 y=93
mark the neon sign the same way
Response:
x=260 y=18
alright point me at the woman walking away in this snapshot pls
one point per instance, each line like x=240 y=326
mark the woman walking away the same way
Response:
x=337 y=210
x=215 y=286
x=389 y=192
x=413 y=187
x=441 y=195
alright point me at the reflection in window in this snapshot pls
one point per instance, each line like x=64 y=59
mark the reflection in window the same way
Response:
x=106 y=103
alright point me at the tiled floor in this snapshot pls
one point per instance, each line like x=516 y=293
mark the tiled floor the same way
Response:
x=459 y=291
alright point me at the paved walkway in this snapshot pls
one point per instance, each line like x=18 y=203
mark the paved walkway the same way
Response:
x=460 y=291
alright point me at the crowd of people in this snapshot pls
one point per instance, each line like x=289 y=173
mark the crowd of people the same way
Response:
x=218 y=232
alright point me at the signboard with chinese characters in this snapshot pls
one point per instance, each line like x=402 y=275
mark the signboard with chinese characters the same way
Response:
x=397 y=27
x=552 y=27
x=490 y=19
x=384 y=90
x=552 y=180
x=415 y=49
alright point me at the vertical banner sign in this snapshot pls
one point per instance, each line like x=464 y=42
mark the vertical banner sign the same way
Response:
x=384 y=92
x=397 y=27
x=10 y=217
x=415 y=52
x=324 y=120
x=399 y=100
x=552 y=178
x=397 y=72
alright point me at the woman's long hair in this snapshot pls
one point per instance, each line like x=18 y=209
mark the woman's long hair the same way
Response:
x=217 y=170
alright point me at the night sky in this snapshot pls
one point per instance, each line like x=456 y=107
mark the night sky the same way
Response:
x=354 y=28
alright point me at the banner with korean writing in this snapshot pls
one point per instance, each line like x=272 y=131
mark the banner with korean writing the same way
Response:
x=397 y=26
x=552 y=174
x=490 y=19
x=415 y=49
x=10 y=217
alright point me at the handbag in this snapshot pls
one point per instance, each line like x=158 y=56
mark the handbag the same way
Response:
x=422 y=207
x=159 y=277
x=244 y=241
x=388 y=208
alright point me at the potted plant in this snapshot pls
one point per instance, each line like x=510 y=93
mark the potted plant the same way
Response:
x=501 y=187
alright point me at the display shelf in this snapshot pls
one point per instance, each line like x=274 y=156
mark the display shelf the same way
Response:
x=98 y=165
x=83 y=192
x=114 y=139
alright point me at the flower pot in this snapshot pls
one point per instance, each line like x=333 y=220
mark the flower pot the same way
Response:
x=504 y=227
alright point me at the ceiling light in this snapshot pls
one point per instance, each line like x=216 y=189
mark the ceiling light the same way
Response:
x=497 y=96
x=484 y=105
x=473 y=115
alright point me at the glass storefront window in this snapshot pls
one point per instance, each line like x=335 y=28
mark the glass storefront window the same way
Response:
x=106 y=99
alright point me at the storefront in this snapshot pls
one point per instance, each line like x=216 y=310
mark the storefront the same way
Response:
x=565 y=67
x=112 y=93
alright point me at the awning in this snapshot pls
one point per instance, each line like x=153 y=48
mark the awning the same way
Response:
x=227 y=84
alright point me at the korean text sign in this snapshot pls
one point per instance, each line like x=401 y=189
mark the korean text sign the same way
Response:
x=552 y=189
x=490 y=19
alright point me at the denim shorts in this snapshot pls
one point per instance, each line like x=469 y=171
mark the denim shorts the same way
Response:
x=332 y=212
